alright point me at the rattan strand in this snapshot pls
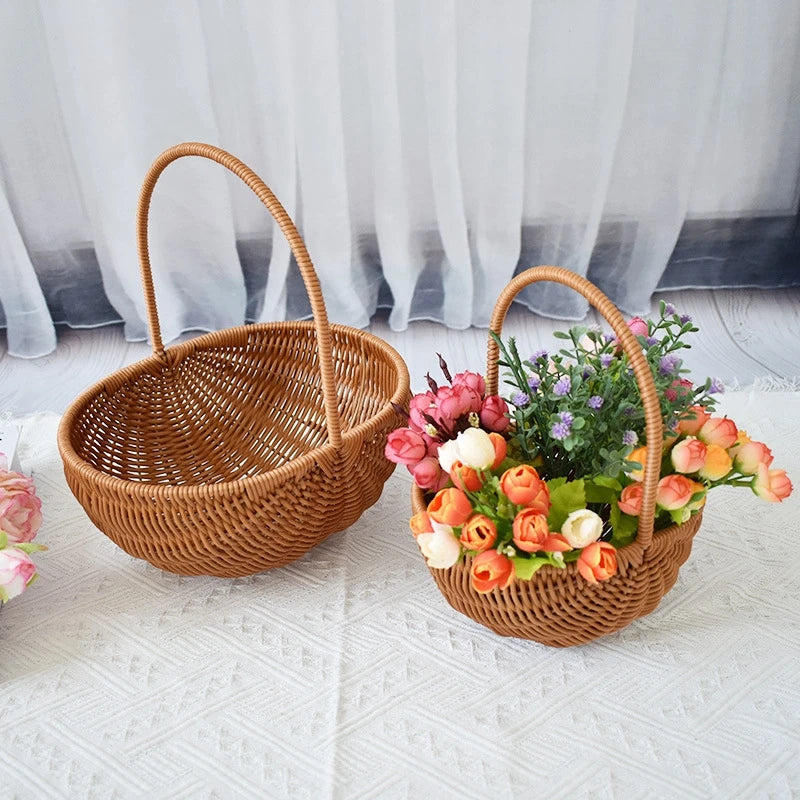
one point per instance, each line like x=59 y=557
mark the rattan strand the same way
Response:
x=241 y=449
x=558 y=607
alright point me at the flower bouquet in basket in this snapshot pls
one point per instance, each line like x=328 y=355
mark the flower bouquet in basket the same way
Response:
x=20 y=518
x=565 y=512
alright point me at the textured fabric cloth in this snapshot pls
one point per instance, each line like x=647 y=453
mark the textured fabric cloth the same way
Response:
x=425 y=149
x=346 y=675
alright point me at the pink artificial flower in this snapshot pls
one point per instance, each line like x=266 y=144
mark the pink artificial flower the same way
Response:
x=720 y=431
x=17 y=570
x=638 y=326
x=748 y=456
x=427 y=473
x=772 y=485
x=472 y=380
x=630 y=501
x=405 y=446
x=689 y=455
x=20 y=508
x=674 y=492
x=692 y=426
x=680 y=388
x=494 y=414
x=420 y=405
x=456 y=401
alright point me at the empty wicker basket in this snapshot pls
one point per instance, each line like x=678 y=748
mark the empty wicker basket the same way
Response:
x=557 y=607
x=236 y=451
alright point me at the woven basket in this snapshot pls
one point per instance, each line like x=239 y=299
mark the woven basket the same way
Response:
x=236 y=451
x=557 y=607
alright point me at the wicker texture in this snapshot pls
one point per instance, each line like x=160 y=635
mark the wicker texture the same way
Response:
x=239 y=450
x=558 y=607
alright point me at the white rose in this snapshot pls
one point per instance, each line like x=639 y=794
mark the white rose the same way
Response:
x=448 y=455
x=440 y=548
x=475 y=448
x=582 y=527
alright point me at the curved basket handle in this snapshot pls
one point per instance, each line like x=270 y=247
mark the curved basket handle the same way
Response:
x=654 y=429
x=279 y=214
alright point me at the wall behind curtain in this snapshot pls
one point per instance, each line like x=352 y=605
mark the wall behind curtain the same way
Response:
x=428 y=150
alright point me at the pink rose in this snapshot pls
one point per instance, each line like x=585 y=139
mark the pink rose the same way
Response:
x=16 y=482
x=405 y=446
x=427 y=473
x=630 y=501
x=674 y=492
x=17 y=570
x=638 y=326
x=456 y=401
x=748 y=456
x=420 y=405
x=494 y=414
x=689 y=455
x=692 y=426
x=20 y=510
x=772 y=485
x=472 y=380
x=720 y=431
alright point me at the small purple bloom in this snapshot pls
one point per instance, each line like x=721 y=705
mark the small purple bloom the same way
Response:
x=716 y=386
x=560 y=431
x=588 y=371
x=537 y=355
x=628 y=411
x=669 y=364
x=650 y=341
x=670 y=310
x=595 y=401
x=606 y=359
x=629 y=437
x=685 y=318
x=534 y=382
x=563 y=385
x=566 y=418
x=520 y=399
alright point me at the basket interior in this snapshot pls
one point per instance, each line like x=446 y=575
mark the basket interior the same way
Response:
x=240 y=406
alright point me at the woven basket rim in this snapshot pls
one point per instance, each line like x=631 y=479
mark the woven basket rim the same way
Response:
x=323 y=455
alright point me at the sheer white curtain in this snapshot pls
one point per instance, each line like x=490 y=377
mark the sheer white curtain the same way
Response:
x=428 y=147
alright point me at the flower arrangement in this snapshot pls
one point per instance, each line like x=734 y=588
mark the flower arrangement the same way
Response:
x=554 y=475
x=20 y=518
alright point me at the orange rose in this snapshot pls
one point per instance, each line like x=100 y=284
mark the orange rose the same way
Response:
x=598 y=562
x=772 y=485
x=420 y=523
x=450 y=507
x=717 y=465
x=478 y=533
x=523 y=487
x=465 y=478
x=630 y=501
x=692 y=426
x=639 y=455
x=531 y=533
x=720 y=431
x=491 y=570
x=697 y=488
x=500 y=449
x=674 y=491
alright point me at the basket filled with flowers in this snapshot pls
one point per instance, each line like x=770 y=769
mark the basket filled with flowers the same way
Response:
x=565 y=513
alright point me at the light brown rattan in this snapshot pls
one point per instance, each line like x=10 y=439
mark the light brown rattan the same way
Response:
x=557 y=607
x=239 y=450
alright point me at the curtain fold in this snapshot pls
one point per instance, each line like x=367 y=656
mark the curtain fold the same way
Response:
x=426 y=150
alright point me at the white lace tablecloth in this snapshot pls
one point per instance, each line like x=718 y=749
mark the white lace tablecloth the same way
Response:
x=346 y=675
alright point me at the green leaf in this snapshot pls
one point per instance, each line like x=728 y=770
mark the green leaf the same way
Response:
x=624 y=526
x=604 y=480
x=524 y=568
x=3 y=539
x=560 y=335
x=564 y=499
x=29 y=547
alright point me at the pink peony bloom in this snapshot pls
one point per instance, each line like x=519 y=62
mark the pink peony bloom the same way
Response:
x=420 y=405
x=427 y=473
x=471 y=380
x=17 y=570
x=456 y=401
x=405 y=446
x=494 y=414
x=772 y=485
x=20 y=509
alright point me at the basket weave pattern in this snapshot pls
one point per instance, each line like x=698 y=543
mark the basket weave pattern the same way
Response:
x=557 y=607
x=239 y=450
